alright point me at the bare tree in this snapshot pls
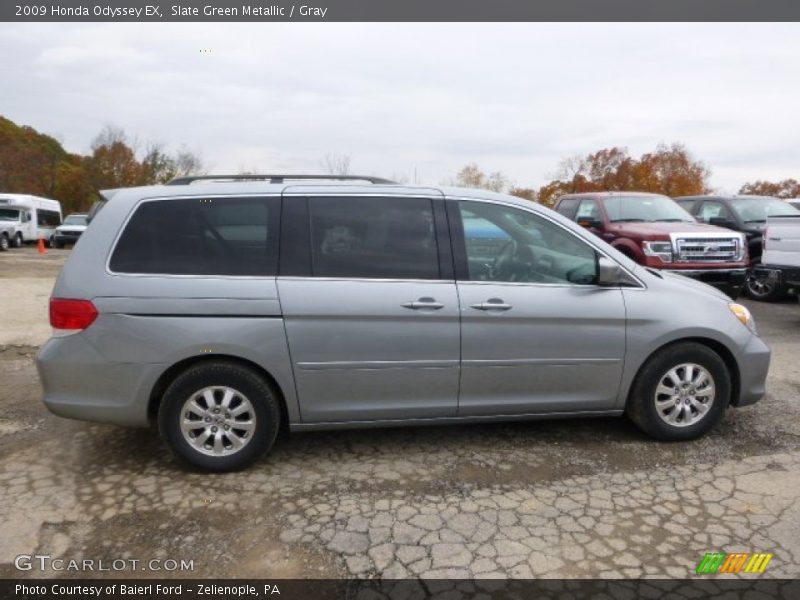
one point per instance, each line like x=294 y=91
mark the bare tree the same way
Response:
x=472 y=176
x=569 y=168
x=337 y=164
x=110 y=135
x=497 y=182
x=188 y=162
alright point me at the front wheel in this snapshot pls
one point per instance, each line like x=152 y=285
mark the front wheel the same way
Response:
x=219 y=416
x=4 y=243
x=764 y=290
x=680 y=393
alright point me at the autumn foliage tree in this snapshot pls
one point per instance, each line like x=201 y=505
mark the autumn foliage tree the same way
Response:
x=788 y=188
x=37 y=164
x=670 y=170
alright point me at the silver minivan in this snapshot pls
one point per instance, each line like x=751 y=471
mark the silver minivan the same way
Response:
x=224 y=310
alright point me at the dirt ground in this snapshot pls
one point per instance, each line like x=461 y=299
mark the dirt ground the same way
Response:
x=570 y=498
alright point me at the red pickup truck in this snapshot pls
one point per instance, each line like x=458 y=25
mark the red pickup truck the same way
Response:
x=658 y=233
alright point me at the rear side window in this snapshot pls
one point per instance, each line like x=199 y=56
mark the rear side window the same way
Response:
x=201 y=236
x=48 y=218
x=375 y=238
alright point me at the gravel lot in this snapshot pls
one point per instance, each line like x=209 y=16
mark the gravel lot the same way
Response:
x=572 y=498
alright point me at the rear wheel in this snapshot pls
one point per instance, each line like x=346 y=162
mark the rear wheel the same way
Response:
x=219 y=416
x=764 y=290
x=680 y=393
x=17 y=243
x=57 y=244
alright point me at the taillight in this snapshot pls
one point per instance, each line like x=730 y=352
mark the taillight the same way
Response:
x=71 y=314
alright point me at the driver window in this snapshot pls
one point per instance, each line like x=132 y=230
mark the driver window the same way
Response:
x=713 y=209
x=588 y=209
x=506 y=244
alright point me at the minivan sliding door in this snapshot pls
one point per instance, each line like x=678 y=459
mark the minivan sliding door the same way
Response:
x=370 y=307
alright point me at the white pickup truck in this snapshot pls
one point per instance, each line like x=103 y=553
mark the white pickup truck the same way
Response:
x=780 y=261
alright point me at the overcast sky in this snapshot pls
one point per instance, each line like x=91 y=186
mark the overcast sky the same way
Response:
x=431 y=97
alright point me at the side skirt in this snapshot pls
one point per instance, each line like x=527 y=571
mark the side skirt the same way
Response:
x=449 y=420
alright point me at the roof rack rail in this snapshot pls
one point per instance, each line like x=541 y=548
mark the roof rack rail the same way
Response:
x=276 y=178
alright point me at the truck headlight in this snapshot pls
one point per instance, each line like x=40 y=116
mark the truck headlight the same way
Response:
x=662 y=250
x=742 y=253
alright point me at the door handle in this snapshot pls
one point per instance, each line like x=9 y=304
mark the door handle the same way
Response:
x=423 y=303
x=492 y=304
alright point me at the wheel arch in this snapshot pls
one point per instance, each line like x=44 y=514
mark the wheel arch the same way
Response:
x=721 y=349
x=168 y=376
x=629 y=249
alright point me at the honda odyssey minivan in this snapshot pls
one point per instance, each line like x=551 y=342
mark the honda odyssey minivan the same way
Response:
x=226 y=308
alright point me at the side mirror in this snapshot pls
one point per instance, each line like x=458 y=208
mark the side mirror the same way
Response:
x=722 y=222
x=609 y=273
x=589 y=223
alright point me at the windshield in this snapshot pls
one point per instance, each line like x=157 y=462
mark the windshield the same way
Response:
x=645 y=208
x=9 y=214
x=756 y=210
x=75 y=220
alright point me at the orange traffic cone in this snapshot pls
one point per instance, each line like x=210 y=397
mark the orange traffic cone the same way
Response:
x=42 y=249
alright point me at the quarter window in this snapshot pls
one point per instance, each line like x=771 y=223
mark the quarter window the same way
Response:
x=201 y=236
x=506 y=244
x=376 y=238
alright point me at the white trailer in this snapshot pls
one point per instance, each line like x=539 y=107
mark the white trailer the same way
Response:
x=32 y=218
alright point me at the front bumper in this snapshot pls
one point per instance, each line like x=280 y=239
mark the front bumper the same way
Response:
x=66 y=238
x=729 y=280
x=778 y=274
x=753 y=369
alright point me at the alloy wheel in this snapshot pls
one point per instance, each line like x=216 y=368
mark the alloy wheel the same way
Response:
x=218 y=421
x=684 y=395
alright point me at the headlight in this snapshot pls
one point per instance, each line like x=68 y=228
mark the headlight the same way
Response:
x=662 y=250
x=743 y=314
x=742 y=253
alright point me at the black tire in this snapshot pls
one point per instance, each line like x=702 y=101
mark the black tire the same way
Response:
x=4 y=243
x=641 y=405
x=763 y=290
x=17 y=242
x=57 y=244
x=250 y=385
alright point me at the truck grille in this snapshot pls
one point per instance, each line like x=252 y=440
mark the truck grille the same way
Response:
x=707 y=249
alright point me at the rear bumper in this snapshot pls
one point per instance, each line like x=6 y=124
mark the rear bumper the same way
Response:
x=730 y=280
x=753 y=368
x=79 y=383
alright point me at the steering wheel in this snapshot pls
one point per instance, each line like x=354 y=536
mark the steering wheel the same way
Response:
x=500 y=269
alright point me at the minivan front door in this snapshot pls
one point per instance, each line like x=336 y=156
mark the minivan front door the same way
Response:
x=370 y=307
x=538 y=334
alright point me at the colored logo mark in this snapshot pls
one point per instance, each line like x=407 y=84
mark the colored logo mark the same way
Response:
x=717 y=563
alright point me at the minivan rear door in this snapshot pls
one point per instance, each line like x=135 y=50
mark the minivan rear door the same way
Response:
x=370 y=306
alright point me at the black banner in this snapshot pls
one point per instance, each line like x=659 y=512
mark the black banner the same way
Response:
x=374 y=589
x=400 y=10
